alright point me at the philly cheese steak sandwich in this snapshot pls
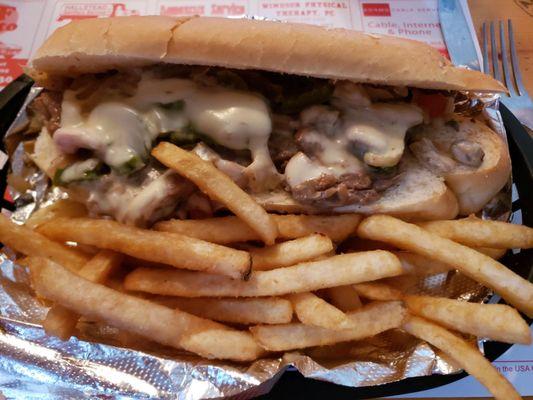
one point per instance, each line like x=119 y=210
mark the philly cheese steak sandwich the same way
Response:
x=306 y=119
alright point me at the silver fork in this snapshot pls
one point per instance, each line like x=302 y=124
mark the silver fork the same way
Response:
x=518 y=100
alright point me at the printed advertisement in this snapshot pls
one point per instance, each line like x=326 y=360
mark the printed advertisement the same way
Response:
x=214 y=8
x=336 y=14
x=66 y=11
x=411 y=19
x=19 y=21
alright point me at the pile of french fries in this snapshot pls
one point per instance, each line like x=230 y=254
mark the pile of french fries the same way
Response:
x=209 y=287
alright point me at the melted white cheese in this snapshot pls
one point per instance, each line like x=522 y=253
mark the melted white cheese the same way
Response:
x=235 y=119
x=301 y=168
x=115 y=131
x=374 y=132
x=334 y=159
x=381 y=128
x=121 y=128
x=335 y=151
x=235 y=171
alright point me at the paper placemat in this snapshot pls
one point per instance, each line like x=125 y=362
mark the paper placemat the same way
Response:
x=24 y=25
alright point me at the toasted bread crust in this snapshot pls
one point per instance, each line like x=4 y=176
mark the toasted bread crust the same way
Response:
x=474 y=187
x=96 y=45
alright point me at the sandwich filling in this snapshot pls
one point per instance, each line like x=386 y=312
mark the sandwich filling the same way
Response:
x=327 y=143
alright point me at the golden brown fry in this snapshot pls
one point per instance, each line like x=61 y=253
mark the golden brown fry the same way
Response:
x=263 y=310
x=335 y=271
x=100 y=266
x=493 y=321
x=219 y=187
x=168 y=248
x=290 y=253
x=516 y=290
x=367 y=321
x=336 y=227
x=464 y=354
x=312 y=310
x=30 y=243
x=417 y=264
x=61 y=208
x=150 y=320
x=491 y=252
x=225 y=230
x=377 y=291
x=345 y=298
x=474 y=232
x=61 y=322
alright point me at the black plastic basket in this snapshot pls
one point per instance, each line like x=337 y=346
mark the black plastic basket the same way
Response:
x=292 y=384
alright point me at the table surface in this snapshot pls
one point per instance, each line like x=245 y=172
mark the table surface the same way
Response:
x=521 y=13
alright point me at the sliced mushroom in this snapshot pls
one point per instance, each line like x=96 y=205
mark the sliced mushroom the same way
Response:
x=467 y=152
x=427 y=154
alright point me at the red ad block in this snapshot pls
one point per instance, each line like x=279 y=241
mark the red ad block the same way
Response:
x=8 y=18
x=376 y=10
x=10 y=68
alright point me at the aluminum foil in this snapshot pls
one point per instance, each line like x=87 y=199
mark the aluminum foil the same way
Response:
x=103 y=362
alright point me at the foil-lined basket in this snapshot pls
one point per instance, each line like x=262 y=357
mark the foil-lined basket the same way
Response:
x=104 y=362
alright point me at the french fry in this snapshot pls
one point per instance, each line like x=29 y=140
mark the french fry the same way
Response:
x=367 y=321
x=61 y=322
x=31 y=243
x=290 y=253
x=153 y=321
x=223 y=344
x=219 y=187
x=335 y=271
x=336 y=227
x=491 y=252
x=100 y=266
x=312 y=310
x=61 y=208
x=468 y=357
x=163 y=247
x=225 y=230
x=417 y=264
x=493 y=321
x=263 y=310
x=345 y=298
x=377 y=291
x=474 y=232
x=516 y=290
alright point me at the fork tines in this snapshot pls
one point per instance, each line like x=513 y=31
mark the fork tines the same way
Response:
x=499 y=55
